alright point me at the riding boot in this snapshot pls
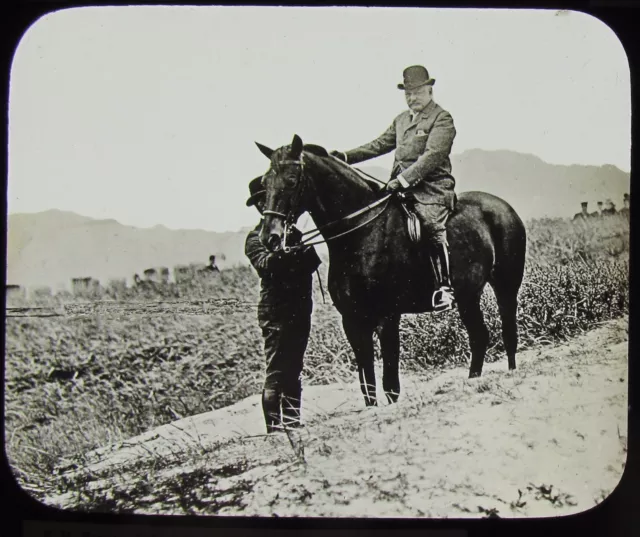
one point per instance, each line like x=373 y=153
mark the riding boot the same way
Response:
x=271 y=410
x=443 y=296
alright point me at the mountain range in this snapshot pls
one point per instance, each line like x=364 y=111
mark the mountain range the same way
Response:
x=50 y=247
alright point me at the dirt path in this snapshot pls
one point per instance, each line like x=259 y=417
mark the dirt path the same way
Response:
x=548 y=439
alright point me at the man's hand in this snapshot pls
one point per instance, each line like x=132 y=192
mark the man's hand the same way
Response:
x=294 y=236
x=339 y=155
x=393 y=185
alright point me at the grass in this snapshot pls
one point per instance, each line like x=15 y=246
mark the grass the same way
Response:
x=123 y=363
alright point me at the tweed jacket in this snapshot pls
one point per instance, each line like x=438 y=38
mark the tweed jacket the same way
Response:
x=286 y=280
x=422 y=153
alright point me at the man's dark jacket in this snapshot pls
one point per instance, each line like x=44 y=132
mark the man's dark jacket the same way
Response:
x=286 y=279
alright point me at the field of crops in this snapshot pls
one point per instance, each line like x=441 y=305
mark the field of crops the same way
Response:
x=97 y=371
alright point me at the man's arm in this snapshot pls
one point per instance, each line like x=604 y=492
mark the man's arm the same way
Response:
x=260 y=257
x=265 y=261
x=438 y=148
x=382 y=145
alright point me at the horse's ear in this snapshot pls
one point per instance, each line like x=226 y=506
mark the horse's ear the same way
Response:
x=265 y=150
x=317 y=150
x=296 y=146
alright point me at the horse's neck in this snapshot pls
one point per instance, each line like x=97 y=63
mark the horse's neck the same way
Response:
x=337 y=192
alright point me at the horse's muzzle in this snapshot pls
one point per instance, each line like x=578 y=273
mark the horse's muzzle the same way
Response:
x=274 y=243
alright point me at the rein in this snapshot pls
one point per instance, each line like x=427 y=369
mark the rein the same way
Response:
x=313 y=233
x=309 y=236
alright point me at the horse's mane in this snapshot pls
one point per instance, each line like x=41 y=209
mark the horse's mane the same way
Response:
x=342 y=167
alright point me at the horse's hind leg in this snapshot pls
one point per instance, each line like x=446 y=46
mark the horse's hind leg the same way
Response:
x=389 y=336
x=508 y=305
x=359 y=333
x=473 y=319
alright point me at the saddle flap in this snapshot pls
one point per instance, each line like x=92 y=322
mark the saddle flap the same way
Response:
x=413 y=223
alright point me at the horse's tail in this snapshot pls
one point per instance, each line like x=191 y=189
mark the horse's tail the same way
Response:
x=510 y=243
x=510 y=246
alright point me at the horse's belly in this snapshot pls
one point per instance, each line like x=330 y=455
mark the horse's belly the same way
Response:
x=400 y=289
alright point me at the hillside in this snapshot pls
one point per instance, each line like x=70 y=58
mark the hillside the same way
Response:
x=536 y=188
x=51 y=247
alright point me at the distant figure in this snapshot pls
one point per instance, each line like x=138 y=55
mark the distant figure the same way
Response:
x=583 y=215
x=598 y=213
x=164 y=275
x=146 y=284
x=182 y=273
x=84 y=286
x=212 y=267
x=625 y=209
x=609 y=208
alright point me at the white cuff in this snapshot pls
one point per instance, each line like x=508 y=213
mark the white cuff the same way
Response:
x=403 y=181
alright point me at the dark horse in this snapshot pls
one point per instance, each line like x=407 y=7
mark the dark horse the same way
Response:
x=376 y=272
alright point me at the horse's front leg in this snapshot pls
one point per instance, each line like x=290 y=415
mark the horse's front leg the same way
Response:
x=359 y=332
x=389 y=336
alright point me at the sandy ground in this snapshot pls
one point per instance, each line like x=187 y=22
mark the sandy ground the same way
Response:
x=548 y=439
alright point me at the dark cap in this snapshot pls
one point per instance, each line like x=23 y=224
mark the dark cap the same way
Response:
x=414 y=77
x=626 y=197
x=584 y=203
x=256 y=191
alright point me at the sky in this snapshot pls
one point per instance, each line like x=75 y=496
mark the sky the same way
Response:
x=149 y=114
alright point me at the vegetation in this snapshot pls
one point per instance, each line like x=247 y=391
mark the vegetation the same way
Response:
x=110 y=369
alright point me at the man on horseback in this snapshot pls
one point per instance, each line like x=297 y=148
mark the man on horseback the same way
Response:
x=422 y=137
x=284 y=316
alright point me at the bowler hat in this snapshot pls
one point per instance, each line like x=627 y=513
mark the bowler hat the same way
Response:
x=256 y=190
x=414 y=77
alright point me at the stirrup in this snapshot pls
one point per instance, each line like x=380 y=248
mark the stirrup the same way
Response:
x=442 y=299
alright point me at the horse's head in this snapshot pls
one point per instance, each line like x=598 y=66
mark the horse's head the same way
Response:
x=284 y=186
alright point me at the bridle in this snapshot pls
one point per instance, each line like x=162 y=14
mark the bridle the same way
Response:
x=294 y=211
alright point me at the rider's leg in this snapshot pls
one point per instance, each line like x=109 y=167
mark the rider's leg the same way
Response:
x=433 y=219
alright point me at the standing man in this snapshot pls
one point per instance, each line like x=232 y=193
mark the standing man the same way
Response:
x=284 y=316
x=598 y=213
x=584 y=214
x=422 y=138
x=609 y=209
x=625 y=209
